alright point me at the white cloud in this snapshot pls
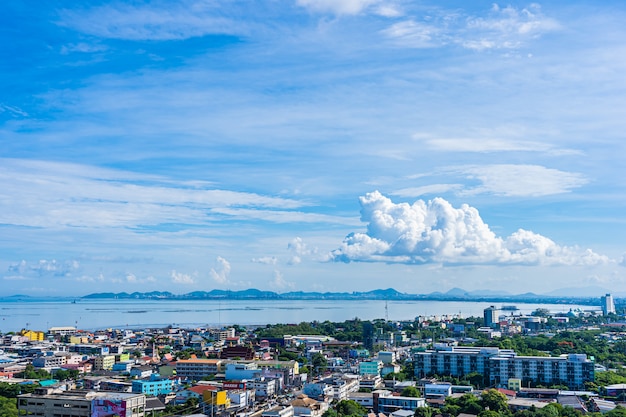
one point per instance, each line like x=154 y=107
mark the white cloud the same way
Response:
x=280 y=283
x=522 y=180
x=44 y=268
x=413 y=34
x=180 y=278
x=434 y=231
x=151 y=22
x=340 y=7
x=82 y=47
x=504 y=28
x=298 y=249
x=266 y=260
x=72 y=195
x=426 y=189
x=12 y=110
x=221 y=271
x=133 y=279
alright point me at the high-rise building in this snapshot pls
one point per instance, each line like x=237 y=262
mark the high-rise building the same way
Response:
x=490 y=315
x=608 y=306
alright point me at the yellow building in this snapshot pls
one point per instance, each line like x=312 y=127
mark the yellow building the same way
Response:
x=216 y=398
x=77 y=340
x=32 y=335
x=104 y=362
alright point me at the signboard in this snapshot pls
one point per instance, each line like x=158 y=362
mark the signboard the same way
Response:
x=234 y=385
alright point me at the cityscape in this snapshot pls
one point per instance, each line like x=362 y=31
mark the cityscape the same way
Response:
x=432 y=365
x=312 y=208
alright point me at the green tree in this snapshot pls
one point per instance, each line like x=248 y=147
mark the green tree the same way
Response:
x=319 y=363
x=424 y=412
x=494 y=400
x=410 y=392
x=350 y=408
x=8 y=407
x=618 y=411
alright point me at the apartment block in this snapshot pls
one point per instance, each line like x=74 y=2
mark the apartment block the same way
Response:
x=500 y=365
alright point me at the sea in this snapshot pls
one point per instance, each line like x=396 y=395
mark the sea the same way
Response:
x=88 y=314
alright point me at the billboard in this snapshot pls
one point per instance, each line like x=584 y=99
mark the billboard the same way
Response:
x=234 y=385
x=103 y=407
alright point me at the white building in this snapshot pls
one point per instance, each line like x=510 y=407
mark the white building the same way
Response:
x=608 y=306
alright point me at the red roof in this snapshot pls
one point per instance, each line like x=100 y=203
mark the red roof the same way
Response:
x=199 y=389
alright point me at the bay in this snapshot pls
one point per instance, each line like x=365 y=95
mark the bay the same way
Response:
x=111 y=313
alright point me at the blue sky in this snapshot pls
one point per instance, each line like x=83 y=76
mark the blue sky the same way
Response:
x=315 y=145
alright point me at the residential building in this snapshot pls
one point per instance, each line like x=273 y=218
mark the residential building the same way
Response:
x=500 y=365
x=263 y=388
x=153 y=386
x=386 y=403
x=303 y=406
x=370 y=368
x=104 y=362
x=572 y=370
x=279 y=411
x=196 y=369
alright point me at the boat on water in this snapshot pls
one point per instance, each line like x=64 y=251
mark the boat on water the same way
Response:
x=509 y=308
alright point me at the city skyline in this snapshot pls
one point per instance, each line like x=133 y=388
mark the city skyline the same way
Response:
x=312 y=145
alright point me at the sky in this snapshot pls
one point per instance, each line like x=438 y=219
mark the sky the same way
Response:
x=312 y=145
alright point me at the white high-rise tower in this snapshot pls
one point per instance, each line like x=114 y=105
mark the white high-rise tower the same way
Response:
x=608 y=306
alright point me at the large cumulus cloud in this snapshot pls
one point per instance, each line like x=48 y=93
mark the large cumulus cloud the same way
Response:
x=434 y=231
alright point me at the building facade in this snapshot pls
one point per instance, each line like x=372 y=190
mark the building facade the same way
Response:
x=81 y=404
x=500 y=365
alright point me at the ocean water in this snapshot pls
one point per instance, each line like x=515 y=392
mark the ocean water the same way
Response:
x=100 y=314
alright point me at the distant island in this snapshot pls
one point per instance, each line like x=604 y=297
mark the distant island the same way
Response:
x=390 y=294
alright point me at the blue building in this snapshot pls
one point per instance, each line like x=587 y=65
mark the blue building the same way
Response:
x=153 y=386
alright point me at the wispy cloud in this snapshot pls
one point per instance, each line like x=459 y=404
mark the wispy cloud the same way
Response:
x=505 y=28
x=350 y=7
x=483 y=143
x=152 y=21
x=71 y=195
x=436 y=232
x=280 y=283
x=521 y=180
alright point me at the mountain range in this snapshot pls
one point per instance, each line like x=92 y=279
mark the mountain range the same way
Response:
x=569 y=295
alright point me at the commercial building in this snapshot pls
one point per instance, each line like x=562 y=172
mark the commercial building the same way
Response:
x=46 y=403
x=608 y=306
x=490 y=315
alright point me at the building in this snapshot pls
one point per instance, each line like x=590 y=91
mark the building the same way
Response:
x=196 y=369
x=104 y=362
x=370 y=368
x=456 y=360
x=608 y=306
x=46 y=403
x=490 y=315
x=386 y=403
x=303 y=406
x=498 y=366
x=153 y=386
x=572 y=370
x=265 y=388
x=237 y=352
x=279 y=411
